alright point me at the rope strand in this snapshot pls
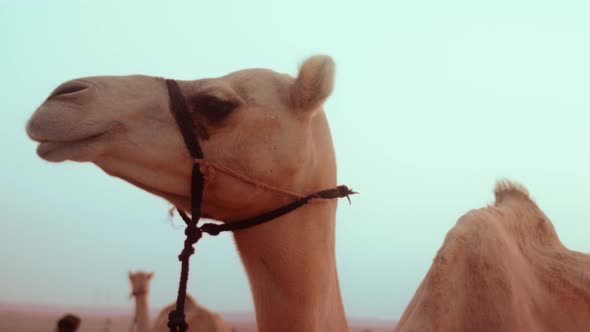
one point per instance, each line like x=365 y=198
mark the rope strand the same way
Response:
x=245 y=178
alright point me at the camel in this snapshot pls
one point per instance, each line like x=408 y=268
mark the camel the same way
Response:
x=266 y=125
x=272 y=127
x=503 y=268
x=198 y=317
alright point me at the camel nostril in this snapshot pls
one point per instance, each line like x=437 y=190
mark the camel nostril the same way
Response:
x=68 y=88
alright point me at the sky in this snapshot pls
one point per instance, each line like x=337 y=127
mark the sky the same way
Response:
x=433 y=102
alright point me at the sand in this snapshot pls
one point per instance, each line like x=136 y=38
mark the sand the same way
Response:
x=21 y=318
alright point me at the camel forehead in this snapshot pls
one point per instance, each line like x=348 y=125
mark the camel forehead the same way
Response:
x=258 y=75
x=258 y=82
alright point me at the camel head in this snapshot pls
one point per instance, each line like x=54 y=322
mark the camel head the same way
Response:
x=140 y=282
x=266 y=125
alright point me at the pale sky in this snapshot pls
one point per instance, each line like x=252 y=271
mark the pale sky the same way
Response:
x=433 y=102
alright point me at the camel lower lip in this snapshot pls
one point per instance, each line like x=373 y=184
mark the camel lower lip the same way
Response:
x=48 y=149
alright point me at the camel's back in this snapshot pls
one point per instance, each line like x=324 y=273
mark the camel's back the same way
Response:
x=198 y=318
x=503 y=268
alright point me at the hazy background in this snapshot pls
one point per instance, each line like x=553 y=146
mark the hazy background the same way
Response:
x=434 y=101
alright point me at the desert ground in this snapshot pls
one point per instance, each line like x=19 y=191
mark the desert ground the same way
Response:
x=31 y=318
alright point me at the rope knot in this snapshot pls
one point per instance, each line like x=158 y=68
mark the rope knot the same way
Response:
x=338 y=192
x=211 y=229
x=176 y=321
x=193 y=235
x=344 y=191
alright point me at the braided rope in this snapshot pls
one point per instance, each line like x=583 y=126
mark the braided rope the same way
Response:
x=178 y=107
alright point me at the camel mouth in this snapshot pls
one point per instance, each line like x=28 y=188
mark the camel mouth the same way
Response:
x=61 y=150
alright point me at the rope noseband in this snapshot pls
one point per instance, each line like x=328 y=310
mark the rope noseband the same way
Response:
x=193 y=232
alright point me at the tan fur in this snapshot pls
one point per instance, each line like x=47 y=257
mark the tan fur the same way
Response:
x=124 y=125
x=198 y=318
x=314 y=84
x=505 y=189
x=503 y=268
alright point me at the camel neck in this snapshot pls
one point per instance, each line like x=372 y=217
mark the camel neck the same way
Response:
x=292 y=271
x=142 y=315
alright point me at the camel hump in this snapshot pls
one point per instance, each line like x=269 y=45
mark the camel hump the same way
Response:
x=506 y=190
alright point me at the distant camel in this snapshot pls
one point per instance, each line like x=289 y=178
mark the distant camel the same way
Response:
x=198 y=318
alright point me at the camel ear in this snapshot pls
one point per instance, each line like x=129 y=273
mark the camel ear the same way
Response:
x=150 y=275
x=130 y=275
x=314 y=83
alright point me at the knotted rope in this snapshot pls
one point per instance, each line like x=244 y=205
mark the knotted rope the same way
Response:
x=179 y=109
x=176 y=318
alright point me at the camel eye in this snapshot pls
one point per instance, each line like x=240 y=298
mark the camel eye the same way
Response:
x=214 y=109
